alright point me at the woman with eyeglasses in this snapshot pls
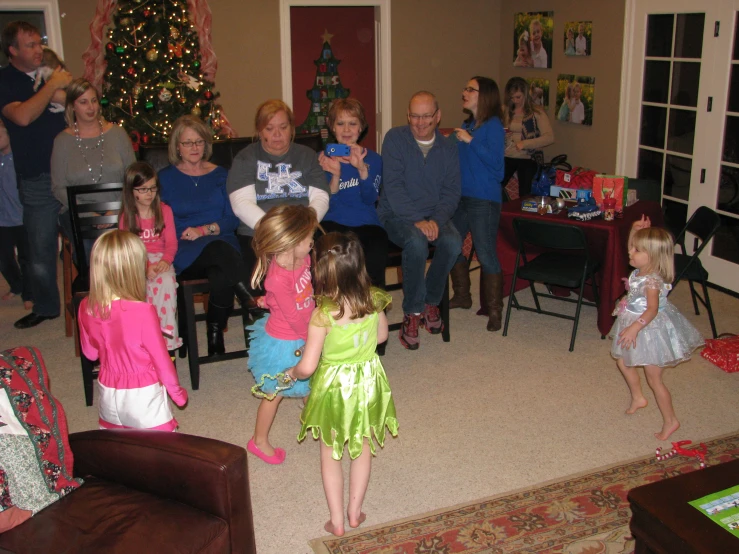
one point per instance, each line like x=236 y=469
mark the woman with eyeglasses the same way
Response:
x=480 y=143
x=89 y=151
x=528 y=130
x=195 y=189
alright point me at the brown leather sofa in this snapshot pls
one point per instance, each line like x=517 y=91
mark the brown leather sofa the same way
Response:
x=146 y=492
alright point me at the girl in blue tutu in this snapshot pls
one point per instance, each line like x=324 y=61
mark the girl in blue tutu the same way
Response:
x=350 y=403
x=282 y=242
x=649 y=331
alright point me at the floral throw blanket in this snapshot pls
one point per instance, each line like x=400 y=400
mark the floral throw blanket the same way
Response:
x=35 y=457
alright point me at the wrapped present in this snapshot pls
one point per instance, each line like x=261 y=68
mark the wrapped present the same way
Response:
x=723 y=352
x=569 y=193
x=575 y=178
x=611 y=186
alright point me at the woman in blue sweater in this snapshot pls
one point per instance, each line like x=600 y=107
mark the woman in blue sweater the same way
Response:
x=354 y=181
x=480 y=142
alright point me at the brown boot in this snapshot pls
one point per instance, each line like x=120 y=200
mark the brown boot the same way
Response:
x=461 y=286
x=492 y=286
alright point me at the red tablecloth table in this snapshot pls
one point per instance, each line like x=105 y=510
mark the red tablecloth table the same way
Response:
x=607 y=241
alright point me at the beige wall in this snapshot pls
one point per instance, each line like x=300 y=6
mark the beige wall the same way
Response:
x=436 y=45
x=595 y=146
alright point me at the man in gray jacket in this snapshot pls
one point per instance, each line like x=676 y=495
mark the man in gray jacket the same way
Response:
x=420 y=192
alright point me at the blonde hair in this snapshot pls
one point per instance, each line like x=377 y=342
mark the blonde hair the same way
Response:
x=280 y=230
x=117 y=270
x=341 y=275
x=74 y=90
x=197 y=125
x=266 y=111
x=659 y=246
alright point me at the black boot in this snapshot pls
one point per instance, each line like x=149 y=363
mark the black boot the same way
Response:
x=247 y=301
x=216 y=322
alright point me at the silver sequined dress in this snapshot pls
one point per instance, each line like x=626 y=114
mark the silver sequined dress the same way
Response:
x=667 y=340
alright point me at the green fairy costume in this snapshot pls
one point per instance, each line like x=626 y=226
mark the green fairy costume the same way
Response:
x=350 y=397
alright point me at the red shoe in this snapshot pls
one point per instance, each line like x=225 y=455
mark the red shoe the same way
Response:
x=409 y=331
x=432 y=319
x=277 y=458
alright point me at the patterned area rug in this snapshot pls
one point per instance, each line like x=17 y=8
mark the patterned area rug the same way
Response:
x=580 y=514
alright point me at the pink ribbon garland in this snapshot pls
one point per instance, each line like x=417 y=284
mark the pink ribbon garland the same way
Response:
x=94 y=56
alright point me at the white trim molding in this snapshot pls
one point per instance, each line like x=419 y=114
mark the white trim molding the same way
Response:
x=383 y=72
x=624 y=108
x=50 y=8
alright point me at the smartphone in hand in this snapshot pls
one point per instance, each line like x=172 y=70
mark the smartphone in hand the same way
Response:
x=337 y=149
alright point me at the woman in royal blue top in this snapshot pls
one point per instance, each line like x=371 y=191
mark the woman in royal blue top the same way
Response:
x=480 y=142
x=207 y=246
x=354 y=181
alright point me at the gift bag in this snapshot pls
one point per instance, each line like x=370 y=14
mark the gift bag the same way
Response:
x=546 y=175
x=575 y=178
x=723 y=352
x=611 y=186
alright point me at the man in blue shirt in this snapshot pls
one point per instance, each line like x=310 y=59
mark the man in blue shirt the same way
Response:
x=421 y=189
x=32 y=128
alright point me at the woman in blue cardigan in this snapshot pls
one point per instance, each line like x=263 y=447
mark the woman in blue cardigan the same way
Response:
x=480 y=142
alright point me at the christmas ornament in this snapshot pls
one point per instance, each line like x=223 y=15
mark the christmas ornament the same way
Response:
x=196 y=110
x=174 y=33
x=183 y=100
x=165 y=95
x=110 y=47
x=137 y=90
x=104 y=101
x=119 y=49
x=145 y=138
x=149 y=105
x=189 y=80
x=147 y=13
x=196 y=64
x=131 y=71
x=175 y=50
x=126 y=21
x=152 y=55
x=208 y=95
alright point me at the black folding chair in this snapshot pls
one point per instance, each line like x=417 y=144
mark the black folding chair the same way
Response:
x=102 y=198
x=567 y=264
x=703 y=224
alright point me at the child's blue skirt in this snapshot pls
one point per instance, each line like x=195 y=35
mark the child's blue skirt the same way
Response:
x=270 y=356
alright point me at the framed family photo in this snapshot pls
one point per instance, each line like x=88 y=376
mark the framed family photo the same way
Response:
x=575 y=98
x=533 y=34
x=578 y=38
x=539 y=92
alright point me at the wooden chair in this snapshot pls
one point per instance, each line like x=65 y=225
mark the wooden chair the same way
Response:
x=566 y=263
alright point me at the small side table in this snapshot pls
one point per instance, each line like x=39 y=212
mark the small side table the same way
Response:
x=663 y=522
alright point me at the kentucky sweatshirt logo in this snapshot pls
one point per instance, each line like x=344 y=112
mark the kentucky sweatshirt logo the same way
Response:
x=282 y=182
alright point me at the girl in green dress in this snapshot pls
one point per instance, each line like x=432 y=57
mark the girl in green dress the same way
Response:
x=350 y=400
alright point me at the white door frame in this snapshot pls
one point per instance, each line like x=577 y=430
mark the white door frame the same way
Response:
x=51 y=17
x=383 y=86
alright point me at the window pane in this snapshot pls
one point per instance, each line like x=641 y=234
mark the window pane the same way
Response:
x=733 y=104
x=689 y=35
x=650 y=165
x=659 y=35
x=681 y=132
x=656 y=81
x=736 y=38
x=728 y=192
x=685 y=80
x=653 y=126
x=731 y=140
x=676 y=215
x=726 y=240
x=677 y=177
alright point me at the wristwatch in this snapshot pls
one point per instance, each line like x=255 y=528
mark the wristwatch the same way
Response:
x=211 y=229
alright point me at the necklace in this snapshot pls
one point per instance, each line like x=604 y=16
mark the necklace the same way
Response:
x=83 y=149
x=194 y=180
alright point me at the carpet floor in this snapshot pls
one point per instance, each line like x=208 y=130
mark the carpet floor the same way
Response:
x=580 y=514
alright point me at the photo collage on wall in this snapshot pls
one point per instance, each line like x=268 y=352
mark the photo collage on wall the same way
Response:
x=533 y=47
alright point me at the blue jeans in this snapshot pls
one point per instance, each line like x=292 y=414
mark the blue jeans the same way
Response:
x=418 y=290
x=40 y=213
x=481 y=217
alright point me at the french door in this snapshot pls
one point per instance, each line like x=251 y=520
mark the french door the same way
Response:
x=680 y=115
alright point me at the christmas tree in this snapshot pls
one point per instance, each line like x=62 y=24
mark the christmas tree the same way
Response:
x=153 y=73
x=326 y=88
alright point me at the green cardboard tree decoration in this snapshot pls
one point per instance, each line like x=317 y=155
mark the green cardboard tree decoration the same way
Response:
x=326 y=88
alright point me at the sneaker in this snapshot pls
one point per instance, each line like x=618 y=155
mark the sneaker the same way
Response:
x=409 y=331
x=432 y=319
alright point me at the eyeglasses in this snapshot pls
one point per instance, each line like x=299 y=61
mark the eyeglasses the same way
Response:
x=145 y=190
x=470 y=89
x=422 y=117
x=192 y=143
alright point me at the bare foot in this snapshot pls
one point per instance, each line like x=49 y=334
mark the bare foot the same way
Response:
x=337 y=530
x=667 y=430
x=359 y=521
x=8 y=295
x=636 y=403
x=28 y=305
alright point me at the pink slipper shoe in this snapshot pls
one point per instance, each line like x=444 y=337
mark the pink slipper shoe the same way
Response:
x=277 y=458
